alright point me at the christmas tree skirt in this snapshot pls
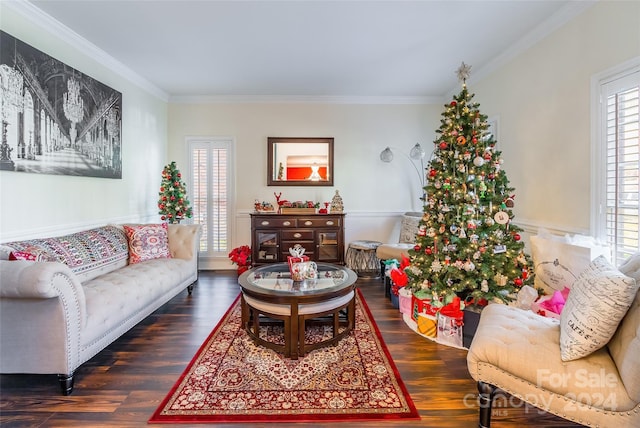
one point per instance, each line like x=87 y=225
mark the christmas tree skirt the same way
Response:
x=414 y=326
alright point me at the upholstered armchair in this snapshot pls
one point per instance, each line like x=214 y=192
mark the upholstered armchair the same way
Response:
x=544 y=362
x=409 y=225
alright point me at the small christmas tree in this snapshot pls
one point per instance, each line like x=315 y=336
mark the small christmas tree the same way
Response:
x=173 y=204
x=466 y=244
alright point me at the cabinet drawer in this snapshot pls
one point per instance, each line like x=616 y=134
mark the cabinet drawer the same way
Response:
x=275 y=222
x=310 y=254
x=322 y=221
x=297 y=235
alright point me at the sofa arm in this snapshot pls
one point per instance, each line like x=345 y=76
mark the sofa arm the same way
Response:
x=184 y=240
x=42 y=314
x=38 y=280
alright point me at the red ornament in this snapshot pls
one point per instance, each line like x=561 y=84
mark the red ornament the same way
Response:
x=443 y=146
x=453 y=103
x=176 y=183
x=162 y=189
x=428 y=250
x=432 y=173
x=179 y=175
x=516 y=236
x=416 y=247
x=173 y=198
x=475 y=140
x=164 y=197
x=518 y=281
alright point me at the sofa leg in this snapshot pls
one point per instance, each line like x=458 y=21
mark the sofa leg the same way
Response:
x=486 y=401
x=66 y=383
x=190 y=287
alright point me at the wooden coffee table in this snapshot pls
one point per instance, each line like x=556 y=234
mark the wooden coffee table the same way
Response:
x=269 y=293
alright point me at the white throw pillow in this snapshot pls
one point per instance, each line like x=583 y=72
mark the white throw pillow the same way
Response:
x=409 y=229
x=558 y=261
x=599 y=299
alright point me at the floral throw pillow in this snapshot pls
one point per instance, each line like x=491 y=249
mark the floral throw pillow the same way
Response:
x=147 y=242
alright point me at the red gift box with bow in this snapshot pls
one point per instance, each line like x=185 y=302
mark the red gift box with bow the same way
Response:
x=450 y=321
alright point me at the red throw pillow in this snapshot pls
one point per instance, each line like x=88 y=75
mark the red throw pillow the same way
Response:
x=147 y=242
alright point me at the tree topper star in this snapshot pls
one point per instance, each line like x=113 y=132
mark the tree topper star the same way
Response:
x=463 y=72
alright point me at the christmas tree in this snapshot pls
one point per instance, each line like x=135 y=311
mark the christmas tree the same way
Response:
x=173 y=204
x=466 y=244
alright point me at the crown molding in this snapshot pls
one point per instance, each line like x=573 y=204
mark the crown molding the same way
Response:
x=557 y=20
x=37 y=17
x=300 y=99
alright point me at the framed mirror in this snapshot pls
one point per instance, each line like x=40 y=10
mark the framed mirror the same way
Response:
x=299 y=161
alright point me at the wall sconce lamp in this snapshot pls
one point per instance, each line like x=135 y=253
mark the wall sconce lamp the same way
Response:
x=417 y=153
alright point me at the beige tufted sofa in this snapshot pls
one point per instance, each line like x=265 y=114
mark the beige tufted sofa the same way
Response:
x=54 y=318
x=518 y=352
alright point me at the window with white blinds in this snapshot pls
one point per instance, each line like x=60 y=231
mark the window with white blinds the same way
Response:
x=619 y=143
x=211 y=192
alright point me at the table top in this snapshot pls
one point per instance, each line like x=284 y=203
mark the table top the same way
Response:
x=275 y=280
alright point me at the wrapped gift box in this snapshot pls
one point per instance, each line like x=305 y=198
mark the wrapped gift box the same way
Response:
x=395 y=300
x=421 y=306
x=450 y=330
x=405 y=297
x=427 y=325
x=471 y=317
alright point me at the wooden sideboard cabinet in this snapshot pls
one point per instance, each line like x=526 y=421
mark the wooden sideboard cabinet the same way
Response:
x=321 y=235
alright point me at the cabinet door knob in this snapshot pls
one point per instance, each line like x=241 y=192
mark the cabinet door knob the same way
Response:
x=286 y=223
x=329 y=223
x=264 y=223
x=297 y=235
x=308 y=223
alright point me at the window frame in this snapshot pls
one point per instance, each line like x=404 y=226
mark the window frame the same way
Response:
x=629 y=69
x=212 y=142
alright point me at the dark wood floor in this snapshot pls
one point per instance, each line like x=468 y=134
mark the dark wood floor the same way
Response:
x=123 y=384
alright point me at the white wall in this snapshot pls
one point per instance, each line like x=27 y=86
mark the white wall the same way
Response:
x=37 y=205
x=542 y=98
x=371 y=190
x=542 y=101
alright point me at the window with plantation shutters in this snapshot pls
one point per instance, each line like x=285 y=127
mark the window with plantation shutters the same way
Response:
x=618 y=210
x=210 y=190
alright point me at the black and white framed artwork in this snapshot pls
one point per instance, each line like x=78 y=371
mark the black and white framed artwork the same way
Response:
x=55 y=119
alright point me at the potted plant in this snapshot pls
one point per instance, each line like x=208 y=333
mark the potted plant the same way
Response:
x=241 y=256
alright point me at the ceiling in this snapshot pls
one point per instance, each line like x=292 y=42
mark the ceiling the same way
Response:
x=303 y=48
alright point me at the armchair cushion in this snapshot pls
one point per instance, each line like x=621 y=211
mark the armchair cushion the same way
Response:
x=624 y=346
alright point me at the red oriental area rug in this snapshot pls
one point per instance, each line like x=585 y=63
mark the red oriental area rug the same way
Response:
x=233 y=380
